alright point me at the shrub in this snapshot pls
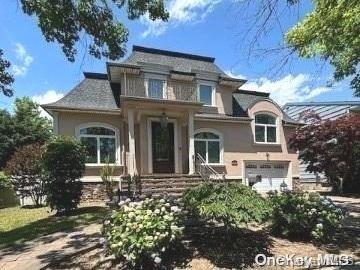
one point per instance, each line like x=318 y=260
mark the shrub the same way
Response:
x=305 y=215
x=25 y=170
x=64 y=164
x=107 y=177
x=141 y=231
x=4 y=180
x=232 y=204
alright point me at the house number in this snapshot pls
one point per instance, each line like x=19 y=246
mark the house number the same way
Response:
x=234 y=163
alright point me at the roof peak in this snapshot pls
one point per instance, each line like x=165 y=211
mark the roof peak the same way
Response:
x=173 y=54
x=95 y=75
x=252 y=92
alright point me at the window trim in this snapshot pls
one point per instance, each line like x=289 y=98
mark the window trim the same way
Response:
x=213 y=92
x=221 y=144
x=118 y=160
x=155 y=77
x=276 y=125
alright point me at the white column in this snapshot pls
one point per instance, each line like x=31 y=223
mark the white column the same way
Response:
x=55 y=116
x=132 y=161
x=191 y=142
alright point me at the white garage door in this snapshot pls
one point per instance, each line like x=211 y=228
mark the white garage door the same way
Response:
x=272 y=174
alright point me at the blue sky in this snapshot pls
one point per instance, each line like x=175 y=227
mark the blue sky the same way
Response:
x=206 y=27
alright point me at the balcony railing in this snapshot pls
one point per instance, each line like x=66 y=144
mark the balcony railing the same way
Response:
x=172 y=90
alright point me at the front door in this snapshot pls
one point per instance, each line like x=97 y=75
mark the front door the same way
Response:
x=163 y=148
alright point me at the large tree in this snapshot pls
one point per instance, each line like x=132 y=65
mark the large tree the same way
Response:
x=330 y=32
x=24 y=127
x=332 y=147
x=94 y=21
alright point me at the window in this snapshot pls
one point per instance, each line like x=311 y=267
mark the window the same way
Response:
x=206 y=94
x=100 y=143
x=155 y=88
x=265 y=128
x=207 y=144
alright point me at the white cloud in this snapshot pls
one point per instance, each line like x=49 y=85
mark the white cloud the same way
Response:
x=181 y=12
x=289 y=88
x=24 y=59
x=47 y=97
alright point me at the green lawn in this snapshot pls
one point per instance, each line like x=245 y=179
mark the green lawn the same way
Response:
x=21 y=224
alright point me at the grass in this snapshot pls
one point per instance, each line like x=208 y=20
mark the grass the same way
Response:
x=18 y=225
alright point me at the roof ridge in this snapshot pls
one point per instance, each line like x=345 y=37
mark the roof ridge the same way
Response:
x=310 y=103
x=173 y=54
x=252 y=92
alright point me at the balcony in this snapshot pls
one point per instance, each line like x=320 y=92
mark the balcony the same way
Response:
x=171 y=89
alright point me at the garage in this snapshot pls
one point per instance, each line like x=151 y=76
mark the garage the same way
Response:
x=265 y=176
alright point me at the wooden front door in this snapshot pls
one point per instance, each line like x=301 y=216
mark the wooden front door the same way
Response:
x=163 y=148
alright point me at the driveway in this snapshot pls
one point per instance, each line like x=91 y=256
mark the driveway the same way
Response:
x=39 y=253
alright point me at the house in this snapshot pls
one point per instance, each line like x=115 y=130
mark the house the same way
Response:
x=326 y=111
x=168 y=114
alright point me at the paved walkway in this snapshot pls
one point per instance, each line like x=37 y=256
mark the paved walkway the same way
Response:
x=38 y=253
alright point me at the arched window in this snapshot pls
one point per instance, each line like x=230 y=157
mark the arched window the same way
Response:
x=101 y=142
x=265 y=128
x=209 y=145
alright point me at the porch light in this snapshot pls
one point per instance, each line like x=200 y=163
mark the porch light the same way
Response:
x=164 y=120
x=283 y=187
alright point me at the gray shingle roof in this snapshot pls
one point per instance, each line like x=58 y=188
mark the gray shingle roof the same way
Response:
x=177 y=61
x=243 y=99
x=93 y=93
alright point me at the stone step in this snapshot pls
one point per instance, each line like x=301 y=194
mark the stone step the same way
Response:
x=170 y=184
x=166 y=176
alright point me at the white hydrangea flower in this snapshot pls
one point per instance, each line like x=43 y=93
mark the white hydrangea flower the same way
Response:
x=157 y=211
x=162 y=200
x=319 y=226
x=106 y=222
x=157 y=260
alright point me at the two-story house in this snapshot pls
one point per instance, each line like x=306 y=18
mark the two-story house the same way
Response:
x=163 y=112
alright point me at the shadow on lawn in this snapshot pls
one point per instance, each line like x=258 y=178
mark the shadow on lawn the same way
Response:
x=231 y=249
x=47 y=230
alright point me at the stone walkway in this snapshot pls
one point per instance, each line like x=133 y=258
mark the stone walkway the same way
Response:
x=38 y=253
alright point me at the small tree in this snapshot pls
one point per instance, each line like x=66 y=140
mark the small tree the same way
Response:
x=64 y=164
x=25 y=170
x=107 y=176
x=332 y=147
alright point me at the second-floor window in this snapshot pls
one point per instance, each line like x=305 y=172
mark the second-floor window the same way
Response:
x=265 y=128
x=205 y=94
x=155 y=88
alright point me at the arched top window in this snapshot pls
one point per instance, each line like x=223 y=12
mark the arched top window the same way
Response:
x=208 y=144
x=97 y=131
x=265 y=128
x=101 y=142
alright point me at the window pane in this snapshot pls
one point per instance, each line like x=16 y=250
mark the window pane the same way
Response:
x=271 y=134
x=200 y=148
x=259 y=134
x=97 y=131
x=155 y=88
x=206 y=94
x=206 y=135
x=91 y=148
x=264 y=119
x=214 y=152
x=107 y=149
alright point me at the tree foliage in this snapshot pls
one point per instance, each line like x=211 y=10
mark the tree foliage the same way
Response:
x=64 y=165
x=25 y=171
x=331 y=31
x=24 y=127
x=65 y=21
x=6 y=79
x=332 y=147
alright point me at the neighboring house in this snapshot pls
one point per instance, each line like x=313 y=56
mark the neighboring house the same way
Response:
x=163 y=112
x=326 y=111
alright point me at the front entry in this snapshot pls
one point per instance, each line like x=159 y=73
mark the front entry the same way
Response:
x=163 y=148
